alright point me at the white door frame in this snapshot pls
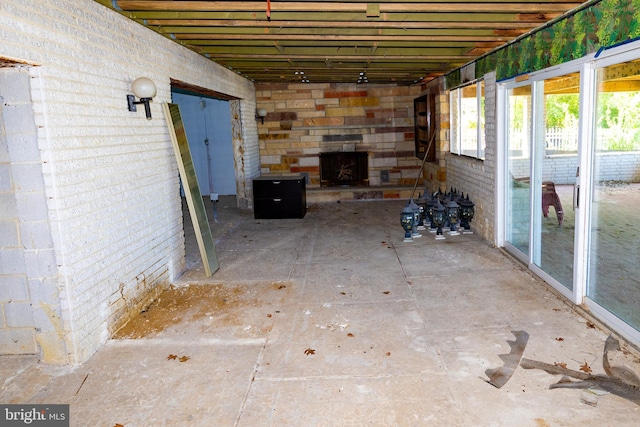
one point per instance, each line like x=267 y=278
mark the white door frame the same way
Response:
x=587 y=67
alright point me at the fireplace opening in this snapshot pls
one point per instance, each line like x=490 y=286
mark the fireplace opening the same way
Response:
x=344 y=168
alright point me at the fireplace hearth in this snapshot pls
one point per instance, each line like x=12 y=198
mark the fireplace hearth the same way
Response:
x=344 y=168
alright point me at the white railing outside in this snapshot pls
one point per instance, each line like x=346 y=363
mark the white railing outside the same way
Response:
x=565 y=140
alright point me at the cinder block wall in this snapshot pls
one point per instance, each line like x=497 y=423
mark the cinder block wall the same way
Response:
x=22 y=204
x=304 y=120
x=100 y=228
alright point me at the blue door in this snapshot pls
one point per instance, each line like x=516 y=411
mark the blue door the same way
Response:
x=207 y=122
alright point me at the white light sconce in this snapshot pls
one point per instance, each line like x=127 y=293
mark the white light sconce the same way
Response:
x=261 y=113
x=145 y=89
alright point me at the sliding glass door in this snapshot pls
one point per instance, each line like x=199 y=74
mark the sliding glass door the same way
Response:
x=571 y=171
x=541 y=146
x=614 y=252
x=518 y=149
x=555 y=173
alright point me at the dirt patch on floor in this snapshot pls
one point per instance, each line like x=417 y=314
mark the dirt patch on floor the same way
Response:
x=177 y=305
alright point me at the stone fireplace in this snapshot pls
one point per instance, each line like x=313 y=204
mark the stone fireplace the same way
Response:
x=344 y=168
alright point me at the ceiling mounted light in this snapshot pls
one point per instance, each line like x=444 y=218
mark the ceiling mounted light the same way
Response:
x=303 y=78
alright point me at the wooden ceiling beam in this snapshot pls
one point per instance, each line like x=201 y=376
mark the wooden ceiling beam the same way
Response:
x=235 y=23
x=405 y=41
x=258 y=33
x=379 y=57
x=346 y=38
x=344 y=6
x=285 y=47
x=346 y=17
x=331 y=52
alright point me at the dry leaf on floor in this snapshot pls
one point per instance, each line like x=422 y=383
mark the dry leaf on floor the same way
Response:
x=388 y=353
x=350 y=335
x=586 y=368
x=184 y=358
x=282 y=286
x=560 y=364
x=172 y=357
x=268 y=314
x=559 y=339
x=309 y=351
x=591 y=325
x=386 y=292
x=118 y=425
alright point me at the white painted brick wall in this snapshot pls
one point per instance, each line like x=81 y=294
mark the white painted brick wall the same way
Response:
x=561 y=169
x=113 y=214
x=475 y=177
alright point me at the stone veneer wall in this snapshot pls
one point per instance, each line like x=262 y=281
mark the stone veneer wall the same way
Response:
x=304 y=120
x=435 y=173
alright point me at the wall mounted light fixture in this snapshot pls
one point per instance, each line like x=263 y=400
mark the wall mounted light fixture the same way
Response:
x=145 y=89
x=261 y=113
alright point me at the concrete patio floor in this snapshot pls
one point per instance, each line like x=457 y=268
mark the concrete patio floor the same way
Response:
x=332 y=320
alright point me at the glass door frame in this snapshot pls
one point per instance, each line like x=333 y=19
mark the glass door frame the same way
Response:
x=587 y=67
x=613 y=56
x=536 y=80
x=502 y=177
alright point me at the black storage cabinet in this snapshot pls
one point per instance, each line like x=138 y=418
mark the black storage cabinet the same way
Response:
x=279 y=197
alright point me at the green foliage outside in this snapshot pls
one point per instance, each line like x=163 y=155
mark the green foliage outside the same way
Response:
x=618 y=118
x=619 y=121
x=562 y=110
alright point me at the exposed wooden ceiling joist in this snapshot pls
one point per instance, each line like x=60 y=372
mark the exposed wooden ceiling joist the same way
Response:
x=400 y=41
x=349 y=6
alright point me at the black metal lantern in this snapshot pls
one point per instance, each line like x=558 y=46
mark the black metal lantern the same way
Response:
x=466 y=214
x=452 y=217
x=430 y=204
x=422 y=205
x=439 y=218
x=406 y=220
x=416 y=218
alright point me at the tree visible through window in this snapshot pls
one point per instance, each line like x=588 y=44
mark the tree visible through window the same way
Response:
x=467 y=120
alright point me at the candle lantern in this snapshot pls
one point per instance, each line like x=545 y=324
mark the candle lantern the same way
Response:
x=431 y=203
x=416 y=218
x=466 y=214
x=406 y=220
x=415 y=205
x=439 y=218
x=452 y=217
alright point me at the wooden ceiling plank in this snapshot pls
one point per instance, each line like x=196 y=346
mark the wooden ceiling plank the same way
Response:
x=290 y=18
x=342 y=6
x=397 y=31
x=379 y=57
x=257 y=33
x=233 y=23
x=339 y=51
x=347 y=38
x=400 y=41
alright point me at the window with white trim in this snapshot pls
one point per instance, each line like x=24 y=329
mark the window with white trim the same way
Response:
x=467 y=120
